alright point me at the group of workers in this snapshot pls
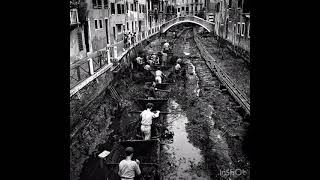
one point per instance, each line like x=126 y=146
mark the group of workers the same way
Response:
x=128 y=168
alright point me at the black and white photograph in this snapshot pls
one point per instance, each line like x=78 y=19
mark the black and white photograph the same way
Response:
x=159 y=90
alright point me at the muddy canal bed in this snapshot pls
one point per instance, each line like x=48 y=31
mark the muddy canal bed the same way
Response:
x=236 y=68
x=179 y=157
x=208 y=132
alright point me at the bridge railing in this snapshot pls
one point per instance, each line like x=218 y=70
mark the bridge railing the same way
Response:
x=208 y=25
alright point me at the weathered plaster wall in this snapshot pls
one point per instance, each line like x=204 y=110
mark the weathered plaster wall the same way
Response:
x=75 y=53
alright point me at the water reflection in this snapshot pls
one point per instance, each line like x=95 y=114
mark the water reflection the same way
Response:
x=184 y=159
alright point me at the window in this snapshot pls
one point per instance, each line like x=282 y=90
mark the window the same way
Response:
x=128 y=26
x=178 y=9
x=107 y=29
x=246 y=6
x=119 y=28
x=242 y=29
x=131 y=7
x=217 y=7
x=114 y=33
x=238 y=28
x=100 y=22
x=96 y=23
x=122 y=8
x=73 y=16
x=182 y=8
x=249 y=30
x=187 y=8
x=132 y=27
x=182 y=1
x=113 y=11
x=105 y=3
x=229 y=4
x=97 y=4
x=239 y=3
x=80 y=41
x=118 y=8
x=127 y=6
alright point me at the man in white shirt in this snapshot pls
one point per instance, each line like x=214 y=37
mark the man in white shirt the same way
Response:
x=159 y=76
x=146 y=121
x=177 y=68
x=128 y=168
x=166 y=46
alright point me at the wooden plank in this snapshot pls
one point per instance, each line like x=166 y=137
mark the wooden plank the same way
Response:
x=151 y=99
x=135 y=140
x=141 y=164
x=163 y=112
x=225 y=79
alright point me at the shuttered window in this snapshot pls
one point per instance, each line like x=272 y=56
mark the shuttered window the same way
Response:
x=113 y=11
x=80 y=43
x=105 y=3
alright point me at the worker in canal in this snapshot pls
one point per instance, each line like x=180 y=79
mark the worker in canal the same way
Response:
x=159 y=76
x=128 y=168
x=146 y=121
x=164 y=58
x=150 y=89
x=177 y=68
x=166 y=47
x=140 y=62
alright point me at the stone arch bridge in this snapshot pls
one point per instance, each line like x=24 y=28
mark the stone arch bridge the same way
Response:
x=209 y=26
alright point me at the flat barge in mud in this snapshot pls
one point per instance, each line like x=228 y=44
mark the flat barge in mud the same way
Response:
x=146 y=151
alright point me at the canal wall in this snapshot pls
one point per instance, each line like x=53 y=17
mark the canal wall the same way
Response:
x=94 y=112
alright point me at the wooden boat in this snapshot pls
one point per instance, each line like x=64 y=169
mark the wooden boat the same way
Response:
x=157 y=102
x=147 y=152
x=162 y=68
x=162 y=85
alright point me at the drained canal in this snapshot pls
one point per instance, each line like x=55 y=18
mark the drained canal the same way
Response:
x=207 y=131
x=183 y=157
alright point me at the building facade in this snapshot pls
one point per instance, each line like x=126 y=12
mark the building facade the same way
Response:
x=109 y=24
x=77 y=45
x=232 y=22
x=189 y=7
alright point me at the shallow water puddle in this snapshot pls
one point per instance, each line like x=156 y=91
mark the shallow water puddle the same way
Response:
x=185 y=160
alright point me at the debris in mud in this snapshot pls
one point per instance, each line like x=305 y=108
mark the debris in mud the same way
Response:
x=209 y=123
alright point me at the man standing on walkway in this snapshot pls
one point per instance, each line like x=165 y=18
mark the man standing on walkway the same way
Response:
x=146 y=121
x=128 y=168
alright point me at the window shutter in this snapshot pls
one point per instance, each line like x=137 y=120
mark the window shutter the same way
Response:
x=80 y=41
